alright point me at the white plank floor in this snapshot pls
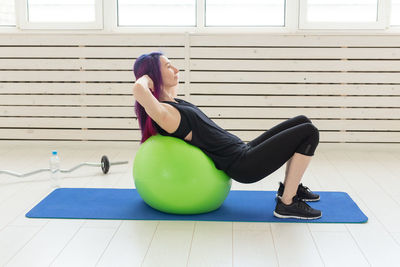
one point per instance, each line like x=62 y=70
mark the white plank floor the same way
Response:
x=370 y=173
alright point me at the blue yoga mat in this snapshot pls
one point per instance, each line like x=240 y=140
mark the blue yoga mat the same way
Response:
x=243 y=206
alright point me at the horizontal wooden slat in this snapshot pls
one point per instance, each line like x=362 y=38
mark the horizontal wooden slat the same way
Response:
x=291 y=40
x=87 y=52
x=40 y=64
x=311 y=112
x=66 y=88
x=60 y=111
x=89 y=76
x=293 y=89
x=74 y=64
x=298 y=101
x=93 y=39
x=264 y=101
x=322 y=125
x=121 y=76
x=198 y=39
x=295 y=53
x=89 y=123
x=294 y=65
x=121 y=64
x=228 y=124
x=50 y=100
x=134 y=135
x=293 y=77
x=348 y=137
x=70 y=88
x=65 y=134
x=212 y=112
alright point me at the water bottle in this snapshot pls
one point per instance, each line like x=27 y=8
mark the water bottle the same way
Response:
x=55 y=169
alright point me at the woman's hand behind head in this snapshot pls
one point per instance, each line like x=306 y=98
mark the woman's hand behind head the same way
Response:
x=150 y=83
x=146 y=82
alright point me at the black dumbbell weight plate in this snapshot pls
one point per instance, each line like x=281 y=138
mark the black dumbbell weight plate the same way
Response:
x=105 y=164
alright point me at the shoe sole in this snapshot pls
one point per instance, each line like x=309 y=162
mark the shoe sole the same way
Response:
x=311 y=200
x=295 y=217
x=308 y=200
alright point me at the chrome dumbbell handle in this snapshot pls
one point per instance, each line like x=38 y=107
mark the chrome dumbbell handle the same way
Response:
x=93 y=165
x=23 y=175
x=104 y=161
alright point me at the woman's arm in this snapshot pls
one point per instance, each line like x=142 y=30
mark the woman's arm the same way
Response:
x=141 y=92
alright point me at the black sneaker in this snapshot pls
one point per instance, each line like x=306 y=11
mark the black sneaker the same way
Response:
x=303 y=192
x=297 y=210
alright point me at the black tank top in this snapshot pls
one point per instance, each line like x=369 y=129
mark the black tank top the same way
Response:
x=221 y=146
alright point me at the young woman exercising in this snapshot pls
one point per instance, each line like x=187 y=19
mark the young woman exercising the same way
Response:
x=292 y=142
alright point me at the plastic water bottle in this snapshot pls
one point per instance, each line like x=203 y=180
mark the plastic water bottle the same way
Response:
x=55 y=169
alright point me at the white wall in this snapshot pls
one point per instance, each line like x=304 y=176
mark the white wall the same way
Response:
x=79 y=86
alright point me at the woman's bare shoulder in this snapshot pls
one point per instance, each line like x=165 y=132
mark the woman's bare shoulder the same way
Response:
x=171 y=120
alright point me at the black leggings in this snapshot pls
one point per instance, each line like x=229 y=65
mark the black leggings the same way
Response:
x=272 y=149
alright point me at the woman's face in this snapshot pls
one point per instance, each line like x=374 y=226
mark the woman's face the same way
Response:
x=168 y=72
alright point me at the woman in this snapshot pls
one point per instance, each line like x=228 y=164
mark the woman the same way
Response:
x=293 y=141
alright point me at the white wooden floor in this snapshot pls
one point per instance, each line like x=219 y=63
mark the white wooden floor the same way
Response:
x=369 y=173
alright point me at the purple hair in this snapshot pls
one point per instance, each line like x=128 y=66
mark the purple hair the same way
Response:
x=148 y=64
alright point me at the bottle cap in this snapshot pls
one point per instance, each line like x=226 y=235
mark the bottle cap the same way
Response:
x=54 y=152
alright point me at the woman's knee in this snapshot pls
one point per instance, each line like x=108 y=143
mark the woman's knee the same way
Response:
x=313 y=132
x=303 y=119
x=312 y=129
x=311 y=141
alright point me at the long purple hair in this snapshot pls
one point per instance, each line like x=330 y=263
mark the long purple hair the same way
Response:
x=148 y=64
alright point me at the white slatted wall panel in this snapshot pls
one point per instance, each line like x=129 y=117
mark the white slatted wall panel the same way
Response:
x=79 y=87
x=74 y=87
x=349 y=86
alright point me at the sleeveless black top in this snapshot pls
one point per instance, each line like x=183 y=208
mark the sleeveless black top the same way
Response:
x=221 y=146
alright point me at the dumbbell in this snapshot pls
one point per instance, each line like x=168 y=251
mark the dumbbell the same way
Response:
x=104 y=164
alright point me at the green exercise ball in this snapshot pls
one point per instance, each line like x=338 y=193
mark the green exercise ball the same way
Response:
x=176 y=177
